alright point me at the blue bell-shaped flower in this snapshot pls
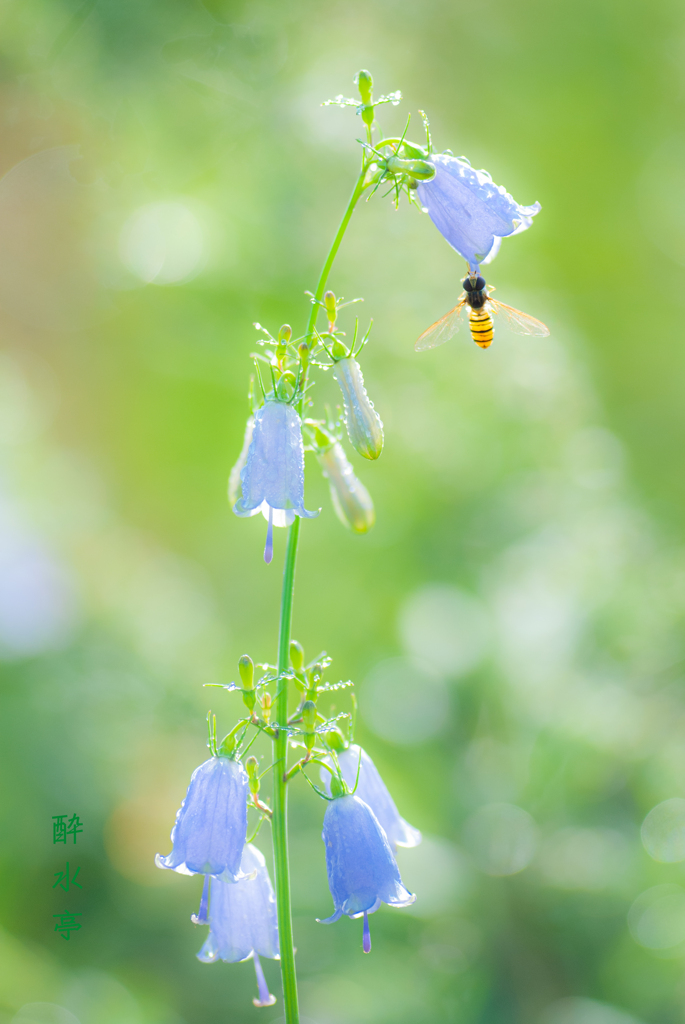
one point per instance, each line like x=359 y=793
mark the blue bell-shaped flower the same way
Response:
x=211 y=824
x=364 y=426
x=351 y=500
x=373 y=791
x=242 y=920
x=361 y=866
x=273 y=477
x=470 y=211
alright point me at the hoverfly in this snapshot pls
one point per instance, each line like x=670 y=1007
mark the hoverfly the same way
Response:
x=481 y=305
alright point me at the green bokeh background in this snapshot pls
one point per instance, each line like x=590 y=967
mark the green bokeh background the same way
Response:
x=537 y=487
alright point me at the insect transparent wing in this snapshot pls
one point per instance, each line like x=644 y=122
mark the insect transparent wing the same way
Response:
x=442 y=330
x=519 y=323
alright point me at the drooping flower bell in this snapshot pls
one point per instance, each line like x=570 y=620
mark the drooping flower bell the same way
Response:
x=351 y=500
x=361 y=866
x=273 y=476
x=364 y=427
x=470 y=211
x=210 y=828
x=242 y=920
x=372 y=790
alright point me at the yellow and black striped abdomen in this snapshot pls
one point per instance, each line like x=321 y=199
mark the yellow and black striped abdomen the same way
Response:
x=482 y=327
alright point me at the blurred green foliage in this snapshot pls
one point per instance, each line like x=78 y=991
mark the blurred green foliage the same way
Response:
x=534 y=492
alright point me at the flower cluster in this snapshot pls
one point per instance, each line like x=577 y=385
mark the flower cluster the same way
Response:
x=269 y=474
x=361 y=829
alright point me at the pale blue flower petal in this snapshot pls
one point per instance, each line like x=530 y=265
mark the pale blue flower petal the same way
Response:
x=373 y=791
x=209 y=832
x=274 y=472
x=242 y=917
x=469 y=210
x=362 y=871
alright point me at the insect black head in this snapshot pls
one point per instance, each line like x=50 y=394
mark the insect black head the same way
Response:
x=471 y=284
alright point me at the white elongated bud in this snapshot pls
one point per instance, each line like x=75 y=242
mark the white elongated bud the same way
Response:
x=234 y=478
x=351 y=500
x=364 y=427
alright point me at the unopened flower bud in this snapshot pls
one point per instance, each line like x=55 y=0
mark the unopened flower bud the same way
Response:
x=285 y=334
x=266 y=707
x=246 y=669
x=309 y=715
x=303 y=352
x=329 y=301
x=351 y=500
x=364 y=427
x=364 y=83
x=296 y=655
x=309 y=723
x=252 y=768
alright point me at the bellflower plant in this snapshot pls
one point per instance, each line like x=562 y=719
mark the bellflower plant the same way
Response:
x=286 y=703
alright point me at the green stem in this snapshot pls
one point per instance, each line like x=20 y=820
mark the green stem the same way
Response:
x=280 y=816
x=326 y=269
x=280 y=809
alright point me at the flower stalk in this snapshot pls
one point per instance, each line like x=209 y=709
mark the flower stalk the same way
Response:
x=279 y=820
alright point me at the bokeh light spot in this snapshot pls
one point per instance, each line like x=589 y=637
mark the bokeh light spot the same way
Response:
x=584 y=1011
x=436 y=872
x=403 y=703
x=163 y=243
x=657 y=917
x=44 y=1013
x=663 y=831
x=444 y=628
x=584 y=858
x=502 y=838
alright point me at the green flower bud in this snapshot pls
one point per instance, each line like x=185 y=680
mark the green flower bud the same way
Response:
x=296 y=655
x=309 y=722
x=329 y=301
x=252 y=767
x=309 y=715
x=364 y=427
x=266 y=707
x=303 y=352
x=351 y=500
x=246 y=669
x=364 y=83
x=285 y=334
